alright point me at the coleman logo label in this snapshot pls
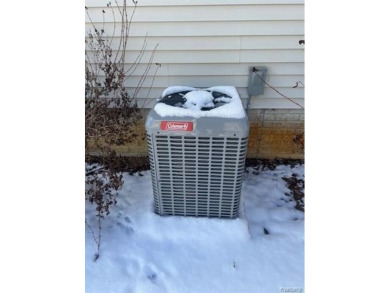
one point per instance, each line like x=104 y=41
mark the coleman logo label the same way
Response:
x=176 y=126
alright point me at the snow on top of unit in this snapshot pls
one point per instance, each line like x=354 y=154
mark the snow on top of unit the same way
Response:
x=198 y=98
x=175 y=89
x=222 y=99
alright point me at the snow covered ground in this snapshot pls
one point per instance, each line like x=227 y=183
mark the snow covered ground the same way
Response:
x=261 y=251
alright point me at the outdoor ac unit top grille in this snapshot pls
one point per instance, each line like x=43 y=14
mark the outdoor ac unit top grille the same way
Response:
x=178 y=99
x=197 y=176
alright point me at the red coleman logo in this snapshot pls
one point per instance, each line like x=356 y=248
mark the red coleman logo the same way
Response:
x=176 y=126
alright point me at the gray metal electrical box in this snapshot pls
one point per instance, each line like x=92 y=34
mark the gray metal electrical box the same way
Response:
x=255 y=84
x=197 y=163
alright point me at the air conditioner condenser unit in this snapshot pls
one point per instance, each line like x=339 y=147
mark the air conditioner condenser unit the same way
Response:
x=197 y=141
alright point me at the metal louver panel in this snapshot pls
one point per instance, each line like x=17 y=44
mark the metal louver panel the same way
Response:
x=153 y=173
x=197 y=175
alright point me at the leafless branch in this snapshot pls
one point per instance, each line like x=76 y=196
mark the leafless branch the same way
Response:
x=258 y=75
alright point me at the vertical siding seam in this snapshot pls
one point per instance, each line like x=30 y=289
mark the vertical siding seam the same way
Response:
x=169 y=75
x=239 y=58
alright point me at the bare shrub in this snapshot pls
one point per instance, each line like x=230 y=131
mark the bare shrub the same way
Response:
x=111 y=111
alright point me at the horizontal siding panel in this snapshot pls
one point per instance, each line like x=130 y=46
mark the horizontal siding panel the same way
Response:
x=183 y=43
x=271 y=42
x=161 y=3
x=231 y=56
x=155 y=92
x=256 y=103
x=207 y=81
x=203 y=13
x=204 y=81
x=278 y=103
x=208 y=28
x=213 y=43
x=272 y=56
x=292 y=93
x=140 y=69
x=173 y=69
x=233 y=69
x=237 y=81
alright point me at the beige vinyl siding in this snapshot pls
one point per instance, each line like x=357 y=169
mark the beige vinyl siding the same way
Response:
x=163 y=3
x=212 y=28
x=207 y=43
x=199 y=81
x=212 y=13
x=193 y=43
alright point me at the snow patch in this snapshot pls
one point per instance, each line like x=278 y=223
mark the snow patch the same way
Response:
x=143 y=252
x=175 y=89
x=198 y=99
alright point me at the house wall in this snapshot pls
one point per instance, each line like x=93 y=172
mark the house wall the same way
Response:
x=205 y=43
x=274 y=133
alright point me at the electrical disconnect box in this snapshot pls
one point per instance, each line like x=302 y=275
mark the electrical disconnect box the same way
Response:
x=256 y=84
